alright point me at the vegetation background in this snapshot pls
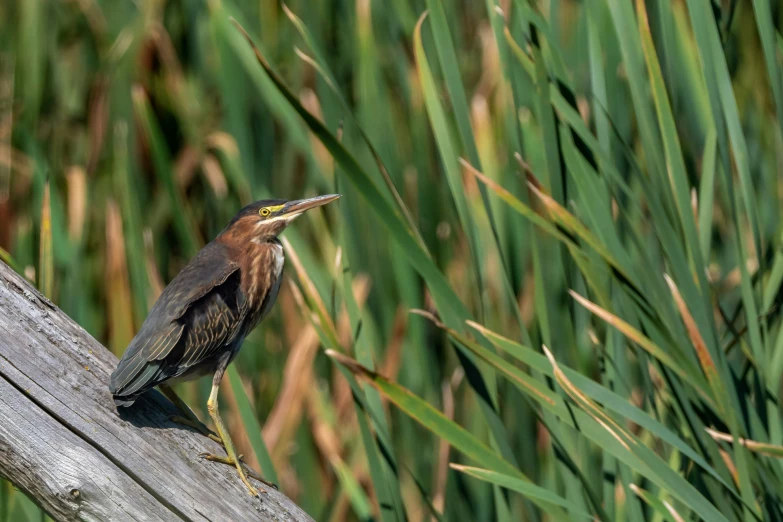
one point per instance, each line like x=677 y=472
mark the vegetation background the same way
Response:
x=559 y=242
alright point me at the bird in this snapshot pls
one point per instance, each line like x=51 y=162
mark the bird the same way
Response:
x=197 y=325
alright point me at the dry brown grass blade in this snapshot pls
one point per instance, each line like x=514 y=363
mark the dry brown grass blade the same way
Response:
x=703 y=354
x=153 y=276
x=343 y=396
x=326 y=440
x=361 y=290
x=77 y=201
x=236 y=427
x=431 y=317
x=227 y=145
x=496 y=187
x=223 y=141
x=333 y=439
x=673 y=512
x=729 y=462
x=763 y=448
x=467 y=343
x=300 y=302
x=341 y=389
x=45 y=254
x=647 y=497
x=98 y=121
x=355 y=368
x=393 y=356
x=185 y=165
x=7 y=66
x=214 y=175
x=118 y=296
x=6 y=158
x=442 y=469
x=311 y=293
x=298 y=374
x=14 y=160
x=587 y=404
x=628 y=331
x=297 y=378
x=325 y=161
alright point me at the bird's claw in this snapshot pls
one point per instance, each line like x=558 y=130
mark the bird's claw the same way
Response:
x=241 y=467
x=250 y=472
x=217 y=458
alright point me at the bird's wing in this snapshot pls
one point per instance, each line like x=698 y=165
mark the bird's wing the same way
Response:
x=211 y=323
x=196 y=300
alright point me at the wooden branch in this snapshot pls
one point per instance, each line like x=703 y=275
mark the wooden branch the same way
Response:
x=63 y=442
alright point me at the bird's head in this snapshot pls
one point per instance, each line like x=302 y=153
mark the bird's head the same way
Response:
x=267 y=218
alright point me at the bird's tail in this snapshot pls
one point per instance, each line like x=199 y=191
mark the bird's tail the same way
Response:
x=121 y=401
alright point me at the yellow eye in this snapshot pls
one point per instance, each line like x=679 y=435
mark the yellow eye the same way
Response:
x=264 y=212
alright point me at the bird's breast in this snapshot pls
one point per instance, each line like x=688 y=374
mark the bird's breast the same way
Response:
x=261 y=279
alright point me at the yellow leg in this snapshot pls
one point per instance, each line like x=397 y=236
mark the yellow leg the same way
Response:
x=212 y=408
x=190 y=419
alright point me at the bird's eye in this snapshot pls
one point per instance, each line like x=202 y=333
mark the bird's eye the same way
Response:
x=264 y=212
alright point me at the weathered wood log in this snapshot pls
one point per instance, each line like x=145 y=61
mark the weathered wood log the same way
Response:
x=64 y=444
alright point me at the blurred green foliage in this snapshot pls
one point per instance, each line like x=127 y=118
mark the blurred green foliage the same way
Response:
x=580 y=201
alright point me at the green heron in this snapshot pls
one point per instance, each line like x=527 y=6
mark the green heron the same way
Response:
x=198 y=323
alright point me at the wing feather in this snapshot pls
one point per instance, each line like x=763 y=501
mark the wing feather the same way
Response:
x=214 y=323
x=143 y=352
x=164 y=339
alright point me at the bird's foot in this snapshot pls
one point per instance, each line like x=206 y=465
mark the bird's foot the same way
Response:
x=196 y=425
x=243 y=469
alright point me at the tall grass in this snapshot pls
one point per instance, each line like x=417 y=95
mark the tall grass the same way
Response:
x=550 y=291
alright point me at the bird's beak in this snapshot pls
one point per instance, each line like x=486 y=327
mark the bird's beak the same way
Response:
x=296 y=208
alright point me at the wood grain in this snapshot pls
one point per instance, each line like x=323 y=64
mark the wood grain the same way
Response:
x=63 y=442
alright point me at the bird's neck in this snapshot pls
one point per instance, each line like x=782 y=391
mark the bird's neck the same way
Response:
x=262 y=266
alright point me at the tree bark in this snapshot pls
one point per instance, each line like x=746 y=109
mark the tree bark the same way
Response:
x=63 y=442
